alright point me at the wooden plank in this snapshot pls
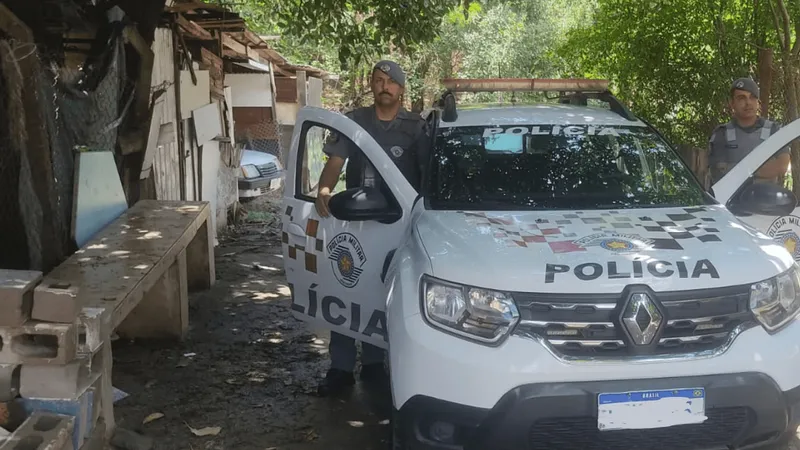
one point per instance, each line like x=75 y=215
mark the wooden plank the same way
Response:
x=192 y=29
x=190 y=6
x=134 y=251
x=237 y=46
x=272 y=89
x=214 y=65
x=146 y=60
x=285 y=90
x=13 y=26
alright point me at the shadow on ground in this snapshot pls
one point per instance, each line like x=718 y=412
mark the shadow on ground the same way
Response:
x=247 y=367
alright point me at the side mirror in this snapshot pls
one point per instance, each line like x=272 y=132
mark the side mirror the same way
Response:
x=362 y=204
x=765 y=199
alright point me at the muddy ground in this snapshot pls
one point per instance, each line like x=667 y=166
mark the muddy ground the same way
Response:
x=248 y=367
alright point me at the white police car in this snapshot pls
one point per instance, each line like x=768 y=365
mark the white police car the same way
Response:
x=562 y=281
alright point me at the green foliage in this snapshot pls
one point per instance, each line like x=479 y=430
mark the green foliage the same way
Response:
x=359 y=29
x=672 y=60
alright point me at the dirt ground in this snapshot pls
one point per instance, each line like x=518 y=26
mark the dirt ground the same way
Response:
x=248 y=367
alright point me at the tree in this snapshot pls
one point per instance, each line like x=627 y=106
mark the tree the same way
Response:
x=672 y=60
x=786 y=23
x=358 y=28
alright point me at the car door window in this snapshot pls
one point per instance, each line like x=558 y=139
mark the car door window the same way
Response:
x=314 y=159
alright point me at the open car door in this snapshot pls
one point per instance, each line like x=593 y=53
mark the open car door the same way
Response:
x=334 y=264
x=766 y=207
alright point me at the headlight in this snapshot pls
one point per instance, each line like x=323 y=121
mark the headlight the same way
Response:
x=478 y=314
x=775 y=301
x=250 y=171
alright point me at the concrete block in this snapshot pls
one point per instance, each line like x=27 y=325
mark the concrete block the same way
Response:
x=42 y=431
x=9 y=381
x=81 y=409
x=16 y=295
x=55 y=301
x=56 y=380
x=39 y=343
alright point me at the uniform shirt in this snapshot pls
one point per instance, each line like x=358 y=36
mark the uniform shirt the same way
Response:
x=405 y=139
x=730 y=143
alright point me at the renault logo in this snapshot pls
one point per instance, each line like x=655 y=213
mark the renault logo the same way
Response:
x=642 y=319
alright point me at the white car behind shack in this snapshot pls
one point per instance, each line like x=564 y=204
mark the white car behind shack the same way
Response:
x=562 y=281
x=259 y=173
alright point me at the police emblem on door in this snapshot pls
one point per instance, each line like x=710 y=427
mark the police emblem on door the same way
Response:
x=786 y=231
x=347 y=259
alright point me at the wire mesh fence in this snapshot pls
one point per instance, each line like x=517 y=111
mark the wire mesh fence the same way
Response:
x=262 y=136
x=51 y=111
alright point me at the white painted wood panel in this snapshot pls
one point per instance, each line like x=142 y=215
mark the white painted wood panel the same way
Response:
x=250 y=89
x=165 y=167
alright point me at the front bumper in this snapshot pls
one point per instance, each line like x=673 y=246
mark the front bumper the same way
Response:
x=255 y=187
x=745 y=410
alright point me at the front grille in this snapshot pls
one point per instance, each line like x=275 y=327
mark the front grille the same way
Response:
x=267 y=170
x=723 y=427
x=590 y=327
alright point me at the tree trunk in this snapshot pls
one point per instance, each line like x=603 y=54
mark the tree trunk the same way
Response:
x=791 y=77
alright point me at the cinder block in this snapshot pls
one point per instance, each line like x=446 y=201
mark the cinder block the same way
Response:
x=81 y=409
x=55 y=301
x=39 y=343
x=91 y=323
x=41 y=431
x=56 y=380
x=16 y=296
x=9 y=381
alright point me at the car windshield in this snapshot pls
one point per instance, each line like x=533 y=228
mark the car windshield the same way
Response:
x=557 y=167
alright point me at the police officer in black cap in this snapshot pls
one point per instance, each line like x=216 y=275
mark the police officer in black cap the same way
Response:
x=731 y=142
x=404 y=137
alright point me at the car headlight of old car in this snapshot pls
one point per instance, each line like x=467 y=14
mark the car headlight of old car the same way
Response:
x=250 y=171
x=775 y=301
x=473 y=313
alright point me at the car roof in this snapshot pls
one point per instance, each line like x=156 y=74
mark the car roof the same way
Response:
x=549 y=114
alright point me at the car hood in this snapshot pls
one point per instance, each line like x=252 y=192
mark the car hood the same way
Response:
x=669 y=249
x=257 y=158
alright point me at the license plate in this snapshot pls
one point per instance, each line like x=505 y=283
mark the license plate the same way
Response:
x=650 y=409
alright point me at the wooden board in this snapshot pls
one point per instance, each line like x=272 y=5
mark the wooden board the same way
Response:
x=128 y=257
x=194 y=96
x=207 y=123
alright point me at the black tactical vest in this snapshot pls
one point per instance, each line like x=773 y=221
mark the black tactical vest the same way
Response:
x=397 y=138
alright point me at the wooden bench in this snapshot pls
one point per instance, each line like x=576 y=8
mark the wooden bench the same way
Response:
x=138 y=272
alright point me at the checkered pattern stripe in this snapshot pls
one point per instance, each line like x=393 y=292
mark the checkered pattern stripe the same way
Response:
x=668 y=232
x=314 y=246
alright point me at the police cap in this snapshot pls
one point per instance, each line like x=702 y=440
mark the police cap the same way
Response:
x=746 y=84
x=392 y=69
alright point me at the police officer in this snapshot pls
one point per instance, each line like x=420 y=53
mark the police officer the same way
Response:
x=731 y=142
x=404 y=137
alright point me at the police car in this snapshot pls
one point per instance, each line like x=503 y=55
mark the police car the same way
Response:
x=561 y=281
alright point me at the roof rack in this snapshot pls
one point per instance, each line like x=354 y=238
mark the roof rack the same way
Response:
x=570 y=91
